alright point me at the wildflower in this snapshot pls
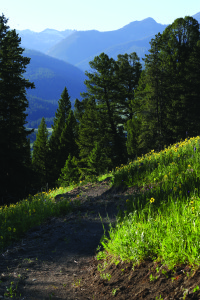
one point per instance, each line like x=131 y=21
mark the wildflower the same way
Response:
x=152 y=200
x=1 y=237
x=14 y=229
x=189 y=166
x=127 y=200
x=9 y=228
x=175 y=189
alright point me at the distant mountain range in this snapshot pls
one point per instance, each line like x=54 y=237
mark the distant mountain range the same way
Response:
x=50 y=76
x=80 y=47
x=44 y=40
x=60 y=58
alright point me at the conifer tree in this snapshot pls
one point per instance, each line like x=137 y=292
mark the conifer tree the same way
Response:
x=133 y=131
x=15 y=160
x=40 y=155
x=169 y=91
x=102 y=87
x=70 y=172
x=68 y=139
x=127 y=75
x=98 y=161
x=62 y=140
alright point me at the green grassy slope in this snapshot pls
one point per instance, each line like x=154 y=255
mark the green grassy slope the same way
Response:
x=161 y=220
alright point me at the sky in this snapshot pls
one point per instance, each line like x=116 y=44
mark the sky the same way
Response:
x=102 y=15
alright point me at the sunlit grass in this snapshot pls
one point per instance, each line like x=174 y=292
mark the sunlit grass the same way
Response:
x=16 y=219
x=170 y=234
x=161 y=221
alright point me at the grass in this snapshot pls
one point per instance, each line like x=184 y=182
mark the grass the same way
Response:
x=16 y=219
x=162 y=218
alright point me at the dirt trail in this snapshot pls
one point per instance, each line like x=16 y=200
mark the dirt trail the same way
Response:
x=53 y=259
x=56 y=260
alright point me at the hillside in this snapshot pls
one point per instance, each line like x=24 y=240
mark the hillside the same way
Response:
x=50 y=76
x=130 y=234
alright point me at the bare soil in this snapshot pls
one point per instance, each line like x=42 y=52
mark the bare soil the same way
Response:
x=56 y=260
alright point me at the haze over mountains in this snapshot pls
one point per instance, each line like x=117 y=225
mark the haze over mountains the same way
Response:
x=64 y=56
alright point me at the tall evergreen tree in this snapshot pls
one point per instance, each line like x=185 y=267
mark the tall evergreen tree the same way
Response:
x=127 y=75
x=179 y=42
x=68 y=139
x=102 y=86
x=40 y=155
x=92 y=130
x=62 y=140
x=15 y=158
x=111 y=87
x=167 y=91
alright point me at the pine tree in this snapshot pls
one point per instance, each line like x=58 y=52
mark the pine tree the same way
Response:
x=133 y=130
x=98 y=161
x=167 y=93
x=102 y=87
x=15 y=157
x=180 y=43
x=70 y=172
x=68 y=139
x=40 y=155
x=127 y=75
x=64 y=134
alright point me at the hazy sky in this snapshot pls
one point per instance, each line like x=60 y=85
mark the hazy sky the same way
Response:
x=102 y=15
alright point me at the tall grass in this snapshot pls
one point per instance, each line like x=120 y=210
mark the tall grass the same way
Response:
x=162 y=216
x=16 y=219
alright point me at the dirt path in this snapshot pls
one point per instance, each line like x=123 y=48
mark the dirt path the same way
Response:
x=53 y=259
x=57 y=259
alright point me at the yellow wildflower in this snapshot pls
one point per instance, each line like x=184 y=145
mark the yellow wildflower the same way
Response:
x=152 y=200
